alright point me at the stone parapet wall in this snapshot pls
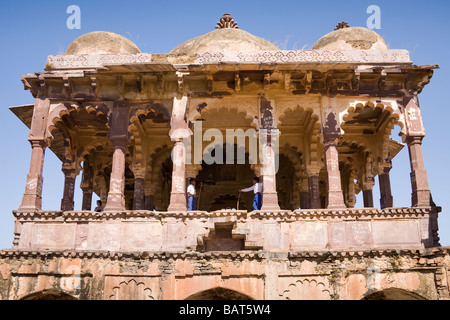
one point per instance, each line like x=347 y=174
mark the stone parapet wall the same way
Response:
x=307 y=56
x=277 y=231
x=86 y=61
x=353 y=275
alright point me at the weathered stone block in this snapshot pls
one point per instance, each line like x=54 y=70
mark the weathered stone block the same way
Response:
x=104 y=236
x=358 y=234
x=53 y=236
x=308 y=235
x=142 y=236
x=336 y=234
x=25 y=236
x=272 y=236
x=174 y=236
x=392 y=233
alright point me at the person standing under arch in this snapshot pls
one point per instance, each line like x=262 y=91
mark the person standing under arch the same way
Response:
x=192 y=195
x=257 y=190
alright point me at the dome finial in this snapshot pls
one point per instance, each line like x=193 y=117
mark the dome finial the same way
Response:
x=227 y=21
x=342 y=25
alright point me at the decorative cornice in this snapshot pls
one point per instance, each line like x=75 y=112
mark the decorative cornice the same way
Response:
x=86 y=61
x=232 y=255
x=279 y=215
x=306 y=56
x=137 y=255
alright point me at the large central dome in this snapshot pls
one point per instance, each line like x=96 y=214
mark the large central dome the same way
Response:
x=227 y=37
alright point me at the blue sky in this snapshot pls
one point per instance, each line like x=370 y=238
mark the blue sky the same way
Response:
x=32 y=30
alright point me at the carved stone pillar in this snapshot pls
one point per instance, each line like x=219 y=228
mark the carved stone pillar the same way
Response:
x=368 y=181
x=87 y=186
x=268 y=141
x=179 y=131
x=351 y=197
x=269 y=192
x=368 y=194
x=313 y=187
x=139 y=190
x=116 y=194
x=67 y=203
x=103 y=186
x=178 y=193
x=335 y=198
x=119 y=138
x=304 y=191
x=386 y=199
x=421 y=196
x=87 y=199
x=149 y=197
x=32 y=198
x=331 y=134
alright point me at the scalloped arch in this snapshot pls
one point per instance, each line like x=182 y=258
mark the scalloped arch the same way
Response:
x=282 y=112
x=57 y=113
x=252 y=117
x=395 y=113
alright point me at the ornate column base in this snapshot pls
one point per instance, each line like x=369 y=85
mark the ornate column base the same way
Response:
x=115 y=202
x=335 y=200
x=335 y=197
x=270 y=201
x=32 y=200
x=421 y=198
x=177 y=202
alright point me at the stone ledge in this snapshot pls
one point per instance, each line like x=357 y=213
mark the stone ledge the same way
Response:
x=306 y=56
x=84 y=61
x=248 y=255
x=286 y=215
x=142 y=255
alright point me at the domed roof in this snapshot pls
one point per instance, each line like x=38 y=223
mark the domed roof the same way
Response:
x=351 y=38
x=102 y=42
x=227 y=37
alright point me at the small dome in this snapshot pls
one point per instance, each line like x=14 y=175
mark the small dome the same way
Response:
x=351 y=38
x=227 y=37
x=102 y=42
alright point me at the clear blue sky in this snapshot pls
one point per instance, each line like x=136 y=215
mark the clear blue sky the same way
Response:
x=32 y=30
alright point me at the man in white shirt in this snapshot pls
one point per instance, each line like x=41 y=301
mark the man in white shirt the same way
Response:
x=192 y=195
x=257 y=190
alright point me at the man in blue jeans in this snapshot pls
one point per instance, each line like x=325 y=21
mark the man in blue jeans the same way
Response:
x=257 y=190
x=192 y=195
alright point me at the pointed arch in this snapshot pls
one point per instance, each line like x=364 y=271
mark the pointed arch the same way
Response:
x=393 y=294
x=50 y=294
x=219 y=293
